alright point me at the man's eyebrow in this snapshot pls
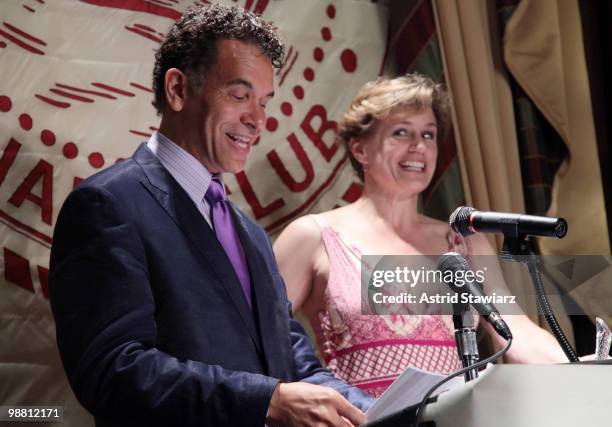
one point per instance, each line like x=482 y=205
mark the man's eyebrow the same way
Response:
x=246 y=83
x=241 y=82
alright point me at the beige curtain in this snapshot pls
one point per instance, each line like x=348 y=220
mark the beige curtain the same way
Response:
x=483 y=114
x=484 y=120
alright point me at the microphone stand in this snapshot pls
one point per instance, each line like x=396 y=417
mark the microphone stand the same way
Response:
x=519 y=249
x=465 y=336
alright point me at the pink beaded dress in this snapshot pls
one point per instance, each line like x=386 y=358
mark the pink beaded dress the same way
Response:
x=371 y=351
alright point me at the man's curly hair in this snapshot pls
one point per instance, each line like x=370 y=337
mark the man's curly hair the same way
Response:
x=191 y=44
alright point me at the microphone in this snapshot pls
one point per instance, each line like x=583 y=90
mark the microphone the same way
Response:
x=466 y=220
x=454 y=262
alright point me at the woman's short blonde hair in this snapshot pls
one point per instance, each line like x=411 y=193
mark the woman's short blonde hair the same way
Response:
x=377 y=99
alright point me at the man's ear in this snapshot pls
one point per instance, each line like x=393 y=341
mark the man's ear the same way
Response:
x=356 y=146
x=176 y=86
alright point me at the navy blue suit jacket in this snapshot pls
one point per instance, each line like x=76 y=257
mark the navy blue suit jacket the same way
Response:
x=152 y=324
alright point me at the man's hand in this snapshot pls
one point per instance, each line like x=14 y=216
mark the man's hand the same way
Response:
x=303 y=404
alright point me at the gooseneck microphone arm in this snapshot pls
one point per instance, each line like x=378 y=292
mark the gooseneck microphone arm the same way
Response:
x=520 y=250
x=465 y=337
x=567 y=348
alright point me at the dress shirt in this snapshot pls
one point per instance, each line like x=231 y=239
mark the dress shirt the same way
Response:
x=191 y=175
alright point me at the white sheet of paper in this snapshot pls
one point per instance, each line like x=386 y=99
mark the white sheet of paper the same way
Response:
x=407 y=390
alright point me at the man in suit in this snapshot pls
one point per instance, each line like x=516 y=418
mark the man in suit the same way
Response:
x=168 y=302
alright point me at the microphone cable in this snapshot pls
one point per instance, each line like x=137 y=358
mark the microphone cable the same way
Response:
x=421 y=408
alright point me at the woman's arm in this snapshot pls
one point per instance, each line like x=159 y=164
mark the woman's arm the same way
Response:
x=295 y=250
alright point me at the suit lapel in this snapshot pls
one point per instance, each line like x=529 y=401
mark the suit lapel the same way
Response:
x=270 y=311
x=176 y=202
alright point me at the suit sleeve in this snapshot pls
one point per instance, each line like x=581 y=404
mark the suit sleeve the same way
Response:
x=106 y=330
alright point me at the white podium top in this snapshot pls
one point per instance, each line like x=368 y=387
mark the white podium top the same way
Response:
x=528 y=395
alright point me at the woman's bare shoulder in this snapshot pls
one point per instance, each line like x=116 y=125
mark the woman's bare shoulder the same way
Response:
x=433 y=225
x=339 y=212
x=339 y=218
x=303 y=229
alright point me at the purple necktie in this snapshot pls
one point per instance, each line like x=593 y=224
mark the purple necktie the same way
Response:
x=226 y=233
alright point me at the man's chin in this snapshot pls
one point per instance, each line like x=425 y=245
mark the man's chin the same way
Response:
x=236 y=168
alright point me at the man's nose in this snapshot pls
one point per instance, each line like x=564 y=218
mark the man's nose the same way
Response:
x=255 y=118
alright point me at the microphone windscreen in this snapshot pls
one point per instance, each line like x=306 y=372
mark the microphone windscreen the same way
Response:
x=459 y=220
x=452 y=261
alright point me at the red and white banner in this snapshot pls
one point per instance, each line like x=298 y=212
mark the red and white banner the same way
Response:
x=75 y=97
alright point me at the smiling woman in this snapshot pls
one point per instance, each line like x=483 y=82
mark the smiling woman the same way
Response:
x=400 y=153
x=379 y=103
x=391 y=132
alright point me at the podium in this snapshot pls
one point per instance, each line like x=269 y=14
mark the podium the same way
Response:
x=520 y=395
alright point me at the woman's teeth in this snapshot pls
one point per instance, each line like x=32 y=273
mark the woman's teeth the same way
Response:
x=415 y=166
